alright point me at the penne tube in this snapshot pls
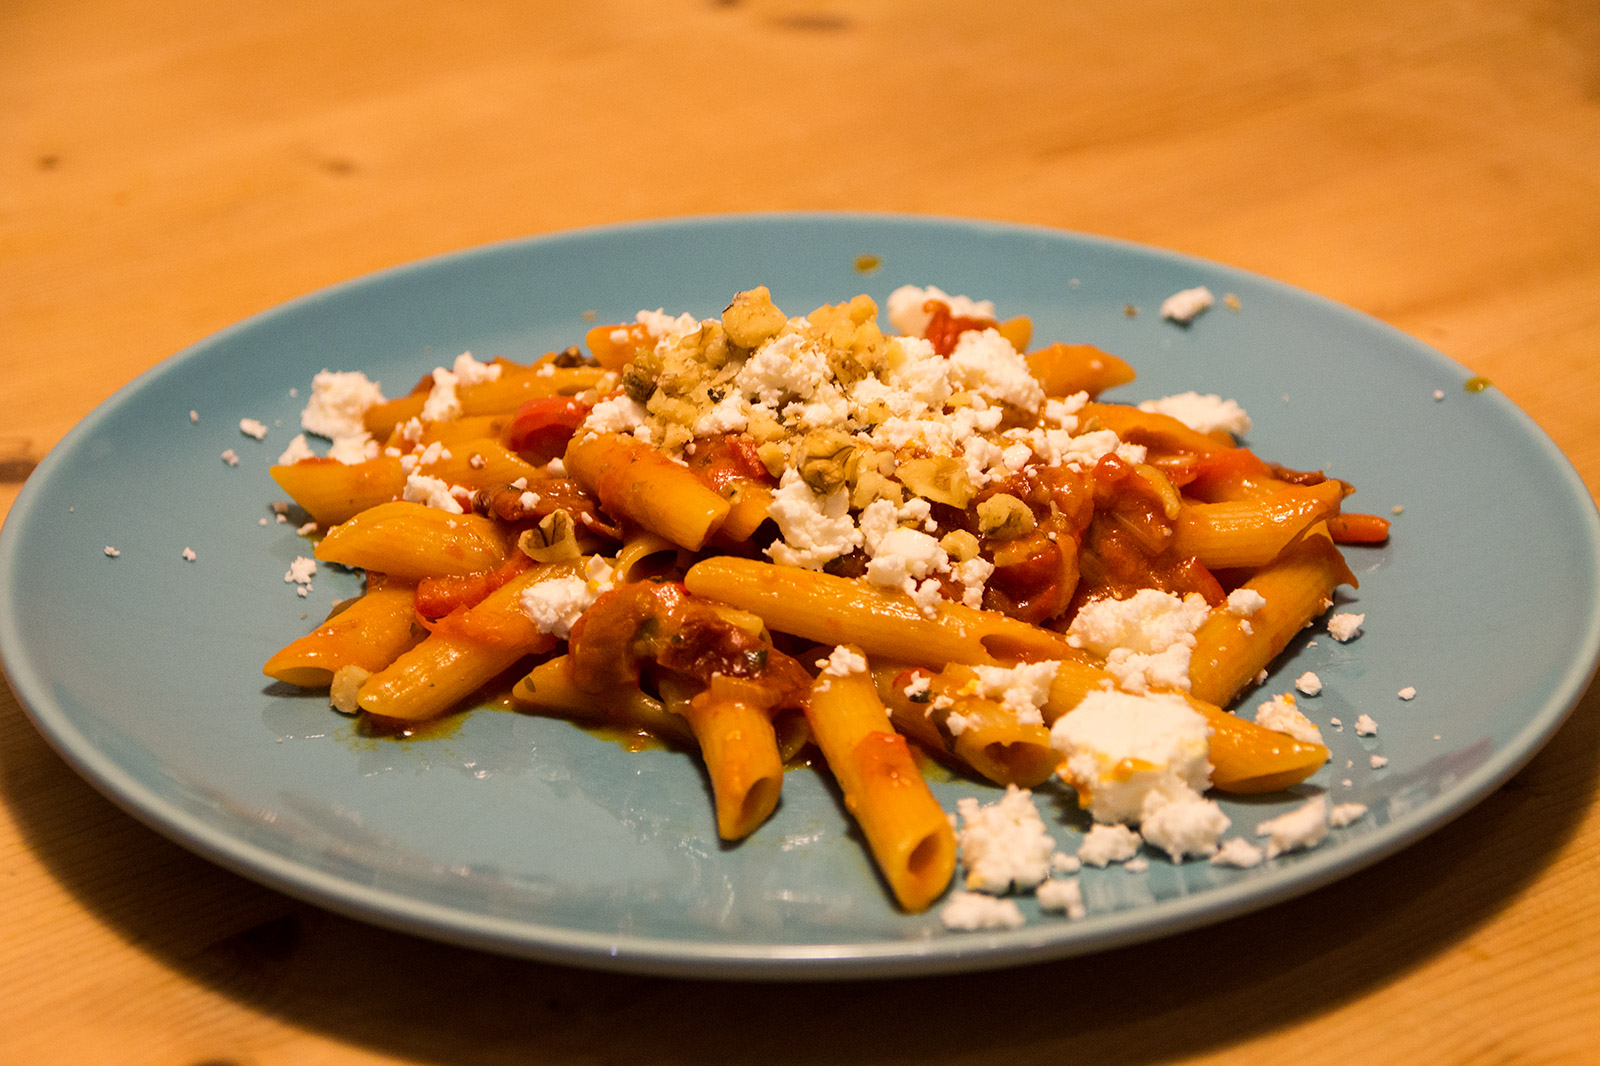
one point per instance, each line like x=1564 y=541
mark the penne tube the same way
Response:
x=1230 y=651
x=411 y=541
x=989 y=742
x=481 y=462
x=501 y=396
x=332 y=492
x=1242 y=533
x=906 y=830
x=1067 y=369
x=465 y=651
x=549 y=687
x=434 y=677
x=1248 y=759
x=886 y=624
x=739 y=749
x=369 y=632
x=456 y=430
x=633 y=479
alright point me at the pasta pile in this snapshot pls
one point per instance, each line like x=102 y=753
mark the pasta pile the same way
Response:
x=755 y=534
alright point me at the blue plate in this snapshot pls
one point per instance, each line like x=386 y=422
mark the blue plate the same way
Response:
x=529 y=836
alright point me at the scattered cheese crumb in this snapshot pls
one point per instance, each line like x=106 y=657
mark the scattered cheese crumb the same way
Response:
x=112 y=553
x=1182 y=307
x=1237 y=851
x=974 y=911
x=194 y=417
x=1282 y=716
x=189 y=555
x=1245 y=602
x=1438 y=394
x=1378 y=762
x=1004 y=844
x=1309 y=684
x=1345 y=627
x=1366 y=727
x=251 y=428
x=230 y=457
x=844 y=662
x=1342 y=814
x=1106 y=844
x=301 y=570
x=1062 y=894
x=1303 y=827
x=1408 y=693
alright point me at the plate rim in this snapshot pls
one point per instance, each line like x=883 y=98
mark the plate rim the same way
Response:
x=743 y=960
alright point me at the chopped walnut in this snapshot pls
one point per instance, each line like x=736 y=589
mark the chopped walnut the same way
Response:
x=752 y=318
x=1004 y=517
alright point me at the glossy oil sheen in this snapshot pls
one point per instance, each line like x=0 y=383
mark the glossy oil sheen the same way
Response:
x=529 y=836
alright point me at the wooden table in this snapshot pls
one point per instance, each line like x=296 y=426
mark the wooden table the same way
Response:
x=166 y=169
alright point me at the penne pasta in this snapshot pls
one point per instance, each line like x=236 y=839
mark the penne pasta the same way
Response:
x=411 y=541
x=368 y=633
x=833 y=610
x=906 y=830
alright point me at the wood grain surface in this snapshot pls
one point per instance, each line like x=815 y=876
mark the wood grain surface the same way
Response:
x=167 y=169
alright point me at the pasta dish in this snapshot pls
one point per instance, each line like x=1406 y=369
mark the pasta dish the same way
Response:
x=759 y=536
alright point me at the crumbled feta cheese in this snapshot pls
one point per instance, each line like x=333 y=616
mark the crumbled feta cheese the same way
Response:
x=1282 y=716
x=188 y=555
x=1106 y=844
x=1146 y=640
x=194 y=418
x=1237 y=851
x=812 y=531
x=1182 y=307
x=1136 y=866
x=844 y=662
x=907 y=303
x=230 y=457
x=984 y=362
x=1245 y=602
x=1342 y=814
x=1345 y=627
x=1062 y=894
x=1378 y=762
x=112 y=553
x=1203 y=414
x=1021 y=689
x=974 y=911
x=958 y=723
x=1309 y=684
x=432 y=491
x=301 y=571
x=1005 y=844
x=1408 y=693
x=337 y=403
x=1182 y=824
x=556 y=604
x=252 y=428
x=297 y=450
x=1062 y=863
x=1366 y=727
x=1303 y=827
x=1118 y=748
